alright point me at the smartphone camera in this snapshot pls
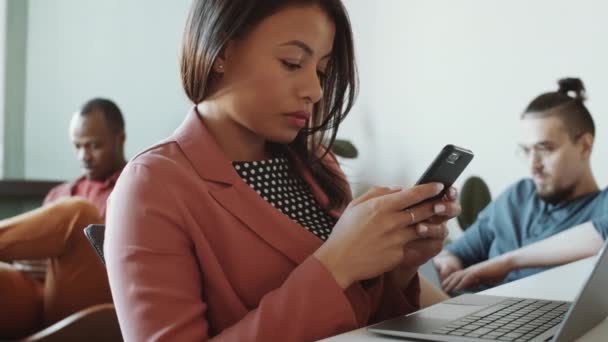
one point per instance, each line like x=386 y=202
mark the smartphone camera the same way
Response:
x=453 y=157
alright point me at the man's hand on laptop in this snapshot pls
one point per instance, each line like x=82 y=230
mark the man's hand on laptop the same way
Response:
x=488 y=272
x=446 y=263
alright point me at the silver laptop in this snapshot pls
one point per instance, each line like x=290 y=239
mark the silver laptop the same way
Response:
x=473 y=317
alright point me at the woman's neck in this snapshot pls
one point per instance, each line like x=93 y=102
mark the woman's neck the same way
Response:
x=237 y=142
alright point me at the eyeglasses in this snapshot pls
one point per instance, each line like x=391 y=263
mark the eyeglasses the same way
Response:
x=542 y=150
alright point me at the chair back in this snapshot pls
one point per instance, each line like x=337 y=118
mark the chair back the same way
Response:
x=97 y=323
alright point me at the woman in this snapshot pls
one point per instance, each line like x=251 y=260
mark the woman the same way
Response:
x=237 y=227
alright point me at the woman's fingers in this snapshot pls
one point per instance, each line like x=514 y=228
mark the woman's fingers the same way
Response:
x=451 y=194
x=417 y=210
x=433 y=213
x=453 y=210
x=432 y=231
x=409 y=197
x=374 y=192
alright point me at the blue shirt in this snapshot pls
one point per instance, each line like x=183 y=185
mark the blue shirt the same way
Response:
x=601 y=225
x=518 y=217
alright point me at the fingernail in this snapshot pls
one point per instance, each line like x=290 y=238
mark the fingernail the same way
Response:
x=439 y=187
x=439 y=208
x=395 y=187
x=452 y=192
x=422 y=229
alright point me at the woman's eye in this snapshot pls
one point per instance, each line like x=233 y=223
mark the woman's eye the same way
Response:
x=290 y=66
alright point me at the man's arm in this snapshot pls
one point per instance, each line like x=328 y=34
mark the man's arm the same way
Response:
x=474 y=245
x=582 y=241
x=446 y=263
x=573 y=244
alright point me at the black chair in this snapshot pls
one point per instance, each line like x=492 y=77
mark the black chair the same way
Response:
x=97 y=323
x=95 y=234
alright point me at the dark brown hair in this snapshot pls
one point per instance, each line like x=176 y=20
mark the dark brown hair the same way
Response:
x=213 y=23
x=570 y=109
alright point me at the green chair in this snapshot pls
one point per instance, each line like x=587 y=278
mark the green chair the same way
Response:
x=474 y=196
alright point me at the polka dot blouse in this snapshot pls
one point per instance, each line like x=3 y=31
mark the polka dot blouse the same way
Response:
x=275 y=181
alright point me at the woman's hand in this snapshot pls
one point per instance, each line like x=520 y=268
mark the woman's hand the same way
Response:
x=431 y=233
x=370 y=236
x=419 y=251
x=445 y=208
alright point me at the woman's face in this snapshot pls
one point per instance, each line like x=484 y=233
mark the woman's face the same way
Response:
x=270 y=79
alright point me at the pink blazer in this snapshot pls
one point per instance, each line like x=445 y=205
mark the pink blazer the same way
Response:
x=193 y=253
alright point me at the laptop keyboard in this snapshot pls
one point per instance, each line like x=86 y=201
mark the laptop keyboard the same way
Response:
x=510 y=320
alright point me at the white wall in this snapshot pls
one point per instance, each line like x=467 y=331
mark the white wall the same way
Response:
x=79 y=49
x=443 y=71
x=432 y=72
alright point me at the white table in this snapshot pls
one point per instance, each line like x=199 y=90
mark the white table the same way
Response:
x=560 y=283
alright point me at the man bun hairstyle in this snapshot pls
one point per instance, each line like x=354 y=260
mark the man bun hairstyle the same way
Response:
x=568 y=104
x=575 y=85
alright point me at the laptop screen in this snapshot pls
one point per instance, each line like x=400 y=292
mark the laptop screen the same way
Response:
x=590 y=306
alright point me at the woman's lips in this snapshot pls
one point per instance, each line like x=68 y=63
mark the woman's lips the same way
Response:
x=298 y=119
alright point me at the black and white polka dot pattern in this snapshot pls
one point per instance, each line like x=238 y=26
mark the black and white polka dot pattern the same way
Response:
x=274 y=180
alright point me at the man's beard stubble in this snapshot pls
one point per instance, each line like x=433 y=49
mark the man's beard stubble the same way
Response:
x=557 y=195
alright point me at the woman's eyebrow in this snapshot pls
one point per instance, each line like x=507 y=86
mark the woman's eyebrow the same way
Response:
x=307 y=49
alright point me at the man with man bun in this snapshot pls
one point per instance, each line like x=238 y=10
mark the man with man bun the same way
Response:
x=557 y=136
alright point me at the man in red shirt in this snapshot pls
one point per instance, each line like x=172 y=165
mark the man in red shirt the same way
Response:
x=33 y=295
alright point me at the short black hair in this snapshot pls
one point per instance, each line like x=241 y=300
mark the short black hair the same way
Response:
x=110 y=111
x=570 y=109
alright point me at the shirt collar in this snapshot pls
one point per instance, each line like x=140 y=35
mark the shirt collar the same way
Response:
x=107 y=183
x=110 y=181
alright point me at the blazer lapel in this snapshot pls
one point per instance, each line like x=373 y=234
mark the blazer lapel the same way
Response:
x=237 y=197
x=274 y=227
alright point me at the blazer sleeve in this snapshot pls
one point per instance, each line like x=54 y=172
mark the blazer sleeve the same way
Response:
x=156 y=279
x=392 y=301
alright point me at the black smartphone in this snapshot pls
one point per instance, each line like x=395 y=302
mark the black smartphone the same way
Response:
x=446 y=167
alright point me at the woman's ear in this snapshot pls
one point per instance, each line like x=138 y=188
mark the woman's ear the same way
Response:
x=222 y=60
x=219 y=65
